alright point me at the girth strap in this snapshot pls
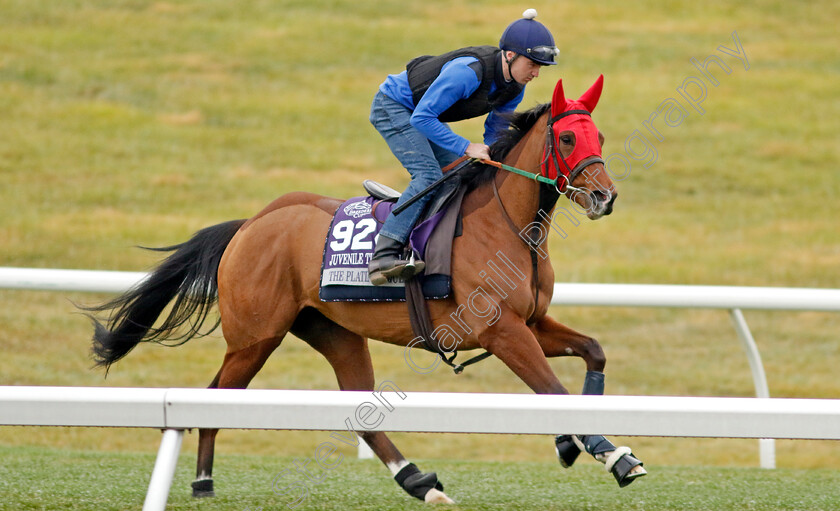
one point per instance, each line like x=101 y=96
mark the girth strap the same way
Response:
x=421 y=324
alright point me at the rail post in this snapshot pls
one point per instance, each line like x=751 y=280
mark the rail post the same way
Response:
x=164 y=471
x=766 y=446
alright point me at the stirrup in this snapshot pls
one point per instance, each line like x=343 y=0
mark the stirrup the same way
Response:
x=413 y=266
x=400 y=270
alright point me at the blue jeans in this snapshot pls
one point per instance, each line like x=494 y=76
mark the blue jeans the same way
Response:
x=421 y=158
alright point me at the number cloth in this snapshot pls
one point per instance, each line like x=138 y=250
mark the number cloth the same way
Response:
x=349 y=247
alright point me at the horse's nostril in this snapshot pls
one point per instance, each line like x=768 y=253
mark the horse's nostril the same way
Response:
x=610 y=205
x=603 y=200
x=600 y=196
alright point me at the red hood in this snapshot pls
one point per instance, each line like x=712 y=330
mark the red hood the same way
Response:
x=586 y=134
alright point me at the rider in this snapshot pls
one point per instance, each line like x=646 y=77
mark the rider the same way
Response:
x=410 y=110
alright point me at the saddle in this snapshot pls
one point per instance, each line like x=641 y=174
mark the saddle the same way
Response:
x=441 y=199
x=431 y=238
x=349 y=244
x=380 y=191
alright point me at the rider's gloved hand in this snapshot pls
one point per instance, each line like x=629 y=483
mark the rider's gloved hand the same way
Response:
x=480 y=151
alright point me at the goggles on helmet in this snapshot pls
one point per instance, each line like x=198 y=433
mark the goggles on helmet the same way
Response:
x=545 y=53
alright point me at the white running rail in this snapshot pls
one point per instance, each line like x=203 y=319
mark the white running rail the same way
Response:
x=731 y=298
x=174 y=410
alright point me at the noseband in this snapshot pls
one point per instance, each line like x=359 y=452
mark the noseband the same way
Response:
x=552 y=152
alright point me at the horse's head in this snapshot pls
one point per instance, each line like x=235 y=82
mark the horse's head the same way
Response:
x=572 y=152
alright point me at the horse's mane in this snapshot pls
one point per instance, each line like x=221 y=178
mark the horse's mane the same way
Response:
x=520 y=123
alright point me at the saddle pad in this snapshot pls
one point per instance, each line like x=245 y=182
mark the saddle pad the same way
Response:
x=349 y=248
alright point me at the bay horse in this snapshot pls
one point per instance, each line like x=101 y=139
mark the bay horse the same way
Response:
x=264 y=273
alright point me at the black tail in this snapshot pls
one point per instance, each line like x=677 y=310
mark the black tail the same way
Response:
x=188 y=276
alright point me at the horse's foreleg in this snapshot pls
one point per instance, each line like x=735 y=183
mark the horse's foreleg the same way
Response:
x=349 y=357
x=558 y=340
x=510 y=339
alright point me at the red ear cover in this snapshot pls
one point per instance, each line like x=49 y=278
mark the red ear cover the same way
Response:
x=558 y=101
x=589 y=98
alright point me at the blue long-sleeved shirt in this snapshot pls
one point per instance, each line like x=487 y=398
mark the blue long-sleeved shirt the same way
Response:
x=457 y=80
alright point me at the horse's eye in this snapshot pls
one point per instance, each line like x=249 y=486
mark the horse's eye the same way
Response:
x=566 y=139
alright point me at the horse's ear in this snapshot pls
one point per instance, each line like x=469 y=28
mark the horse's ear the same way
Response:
x=590 y=98
x=558 y=101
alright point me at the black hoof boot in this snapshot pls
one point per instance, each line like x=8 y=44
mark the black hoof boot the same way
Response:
x=567 y=450
x=621 y=463
x=416 y=483
x=203 y=488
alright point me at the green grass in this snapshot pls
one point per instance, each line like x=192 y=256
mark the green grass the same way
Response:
x=128 y=123
x=49 y=479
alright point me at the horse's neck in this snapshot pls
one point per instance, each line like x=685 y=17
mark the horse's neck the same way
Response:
x=520 y=196
x=521 y=199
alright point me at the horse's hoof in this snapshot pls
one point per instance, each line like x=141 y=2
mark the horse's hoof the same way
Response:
x=419 y=485
x=567 y=450
x=435 y=496
x=202 y=488
x=624 y=466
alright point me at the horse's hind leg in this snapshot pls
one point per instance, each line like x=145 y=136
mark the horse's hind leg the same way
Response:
x=237 y=371
x=203 y=484
x=349 y=357
x=558 y=340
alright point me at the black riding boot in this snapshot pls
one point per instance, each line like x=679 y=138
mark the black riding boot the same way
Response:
x=390 y=262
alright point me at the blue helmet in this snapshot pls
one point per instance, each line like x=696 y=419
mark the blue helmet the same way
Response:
x=528 y=37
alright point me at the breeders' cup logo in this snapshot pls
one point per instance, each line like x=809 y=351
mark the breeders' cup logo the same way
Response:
x=357 y=209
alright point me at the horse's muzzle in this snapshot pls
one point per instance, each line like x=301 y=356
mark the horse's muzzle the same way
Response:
x=602 y=203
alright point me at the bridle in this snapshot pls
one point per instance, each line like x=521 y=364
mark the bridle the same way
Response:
x=552 y=152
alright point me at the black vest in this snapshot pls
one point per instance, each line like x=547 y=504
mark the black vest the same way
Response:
x=422 y=71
